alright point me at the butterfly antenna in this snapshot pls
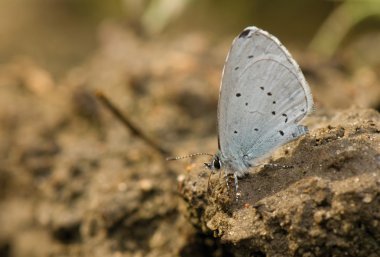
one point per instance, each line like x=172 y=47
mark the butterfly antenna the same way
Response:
x=187 y=156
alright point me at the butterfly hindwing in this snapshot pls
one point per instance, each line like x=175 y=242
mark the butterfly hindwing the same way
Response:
x=263 y=97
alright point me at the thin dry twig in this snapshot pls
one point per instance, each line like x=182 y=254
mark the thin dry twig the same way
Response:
x=129 y=124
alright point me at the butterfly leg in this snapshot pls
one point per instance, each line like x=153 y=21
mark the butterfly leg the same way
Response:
x=237 y=194
x=228 y=186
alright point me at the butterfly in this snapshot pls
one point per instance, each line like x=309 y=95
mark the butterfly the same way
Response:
x=263 y=98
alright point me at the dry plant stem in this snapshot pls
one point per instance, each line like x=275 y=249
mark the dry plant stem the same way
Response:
x=129 y=124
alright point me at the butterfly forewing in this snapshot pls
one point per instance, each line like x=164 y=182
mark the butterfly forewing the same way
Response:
x=263 y=97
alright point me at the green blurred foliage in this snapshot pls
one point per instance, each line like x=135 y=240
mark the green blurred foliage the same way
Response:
x=339 y=24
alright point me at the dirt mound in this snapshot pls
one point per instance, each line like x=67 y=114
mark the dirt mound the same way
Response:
x=328 y=204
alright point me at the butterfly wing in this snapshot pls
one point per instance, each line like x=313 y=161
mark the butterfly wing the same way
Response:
x=263 y=97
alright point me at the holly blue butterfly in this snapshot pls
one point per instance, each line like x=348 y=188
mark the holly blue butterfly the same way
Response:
x=263 y=98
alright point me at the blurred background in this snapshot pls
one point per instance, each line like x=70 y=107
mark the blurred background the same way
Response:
x=73 y=180
x=62 y=33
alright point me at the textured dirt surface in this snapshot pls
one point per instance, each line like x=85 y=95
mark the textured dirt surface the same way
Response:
x=326 y=205
x=75 y=182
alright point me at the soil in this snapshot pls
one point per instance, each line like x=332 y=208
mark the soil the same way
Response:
x=75 y=182
x=324 y=203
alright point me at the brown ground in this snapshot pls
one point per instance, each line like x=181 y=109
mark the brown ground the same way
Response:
x=74 y=182
x=327 y=205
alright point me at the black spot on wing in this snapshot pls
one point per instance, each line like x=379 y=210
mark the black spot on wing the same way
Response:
x=281 y=132
x=269 y=93
x=244 y=33
x=256 y=129
x=274 y=102
x=235 y=132
x=246 y=104
x=236 y=68
x=273 y=113
x=238 y=95
x=250 y=56
x=286 y=117
x=262 y=88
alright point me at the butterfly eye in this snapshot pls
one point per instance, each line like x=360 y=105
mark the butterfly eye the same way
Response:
x=216 y=163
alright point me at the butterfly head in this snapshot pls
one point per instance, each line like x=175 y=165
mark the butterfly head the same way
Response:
x=215 y=163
